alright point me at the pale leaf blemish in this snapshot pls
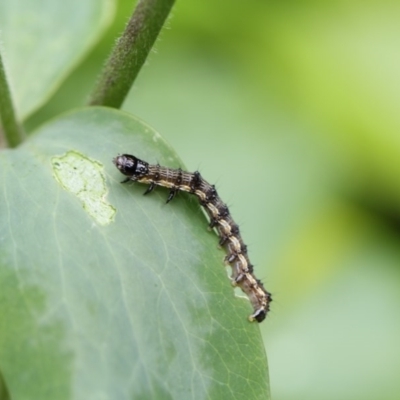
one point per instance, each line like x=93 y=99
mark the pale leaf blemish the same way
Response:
x=84 y=178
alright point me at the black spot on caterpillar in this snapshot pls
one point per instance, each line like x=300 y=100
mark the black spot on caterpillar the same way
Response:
x=220 y=218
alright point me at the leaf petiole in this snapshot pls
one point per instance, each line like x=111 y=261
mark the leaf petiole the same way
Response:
x=12 y=130
x=130 y=53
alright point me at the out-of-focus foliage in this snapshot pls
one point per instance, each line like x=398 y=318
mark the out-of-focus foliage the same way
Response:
x=36 y=61
x=292 y=109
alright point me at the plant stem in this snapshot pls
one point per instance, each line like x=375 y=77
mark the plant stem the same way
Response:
x=3 y=390
x=130 y=52
x=13 y=131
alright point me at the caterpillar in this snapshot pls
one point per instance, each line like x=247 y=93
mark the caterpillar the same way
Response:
x=220 y=218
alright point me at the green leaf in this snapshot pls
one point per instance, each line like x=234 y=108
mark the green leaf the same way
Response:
x=106 y=293
x=43 y=40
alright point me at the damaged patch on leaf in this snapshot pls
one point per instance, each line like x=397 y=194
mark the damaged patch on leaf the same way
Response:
x=85 y=179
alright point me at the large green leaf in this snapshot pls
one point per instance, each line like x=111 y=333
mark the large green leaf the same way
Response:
x=42 y=40
x=109 y=294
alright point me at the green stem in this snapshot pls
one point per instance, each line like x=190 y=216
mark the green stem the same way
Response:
x=130 y=52
x=3 y=390
x=13 y=131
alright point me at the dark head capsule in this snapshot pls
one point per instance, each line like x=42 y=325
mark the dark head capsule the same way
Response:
x=131 y=166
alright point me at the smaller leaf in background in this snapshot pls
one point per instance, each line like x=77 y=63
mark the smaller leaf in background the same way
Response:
x=43 y=40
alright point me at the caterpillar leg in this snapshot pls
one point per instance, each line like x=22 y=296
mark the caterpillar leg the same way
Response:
x=150 y=188
x=172 y=194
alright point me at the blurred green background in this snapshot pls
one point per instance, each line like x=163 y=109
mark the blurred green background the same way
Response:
x=292 y=109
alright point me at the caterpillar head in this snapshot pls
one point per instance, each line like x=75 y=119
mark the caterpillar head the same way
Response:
x=131 y=166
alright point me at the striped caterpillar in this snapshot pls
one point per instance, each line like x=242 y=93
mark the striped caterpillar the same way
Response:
x=175 y=179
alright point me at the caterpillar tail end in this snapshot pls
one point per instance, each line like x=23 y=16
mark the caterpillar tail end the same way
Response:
x=258 y=316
